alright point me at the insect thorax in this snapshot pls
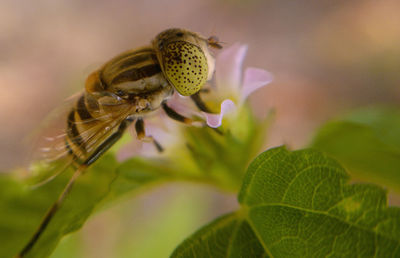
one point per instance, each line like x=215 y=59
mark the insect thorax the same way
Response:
x=133 y=78
x=133 y=72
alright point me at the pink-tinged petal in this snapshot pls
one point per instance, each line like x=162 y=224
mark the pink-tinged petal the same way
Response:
x=129 y=150
x=228 y=68
x=182 y=105
x=215 y=120
x=254 y=79
x=162 y=128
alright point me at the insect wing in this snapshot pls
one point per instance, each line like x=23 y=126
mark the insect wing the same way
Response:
x=74 y=132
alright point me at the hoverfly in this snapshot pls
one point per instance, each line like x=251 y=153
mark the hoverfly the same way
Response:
x=127 y=89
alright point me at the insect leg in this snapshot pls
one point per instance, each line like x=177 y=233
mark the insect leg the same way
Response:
x=200 y=103
x=141 y=134
x=176 y=116
x=50 y=213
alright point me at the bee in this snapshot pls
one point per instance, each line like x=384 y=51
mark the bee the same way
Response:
x=124 y=91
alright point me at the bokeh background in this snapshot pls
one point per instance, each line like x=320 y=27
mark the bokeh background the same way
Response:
x=327 y=57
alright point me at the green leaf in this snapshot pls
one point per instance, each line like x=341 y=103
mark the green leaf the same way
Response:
x=367 y=142
x=23 y=208
x=206 y=156
x=137 y=174
x=228 y=236
x=299 y=204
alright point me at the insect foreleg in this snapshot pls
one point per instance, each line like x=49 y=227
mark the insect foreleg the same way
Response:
x=203 y=107
x=178 y=117
x=200 y=103
x=141 y=134
x=175 y=115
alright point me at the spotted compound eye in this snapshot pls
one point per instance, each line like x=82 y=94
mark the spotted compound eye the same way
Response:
x=185 y=66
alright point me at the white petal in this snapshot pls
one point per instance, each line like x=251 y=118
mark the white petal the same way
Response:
x=215 y=120
x=254 y=78
x=228 y=68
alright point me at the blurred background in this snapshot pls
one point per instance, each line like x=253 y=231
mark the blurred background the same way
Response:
x=327 y=57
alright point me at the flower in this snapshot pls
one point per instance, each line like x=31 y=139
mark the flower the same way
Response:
x=218 y=157
x=164 y=130
x=229 y=84
x=228 y=91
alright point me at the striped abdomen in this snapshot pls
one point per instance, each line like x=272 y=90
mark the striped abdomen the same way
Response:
x=87 y=127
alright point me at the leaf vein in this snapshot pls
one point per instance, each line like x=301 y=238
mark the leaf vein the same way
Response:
x=326 y=214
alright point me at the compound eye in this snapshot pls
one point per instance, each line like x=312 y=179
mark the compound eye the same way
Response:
x=185 y=67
